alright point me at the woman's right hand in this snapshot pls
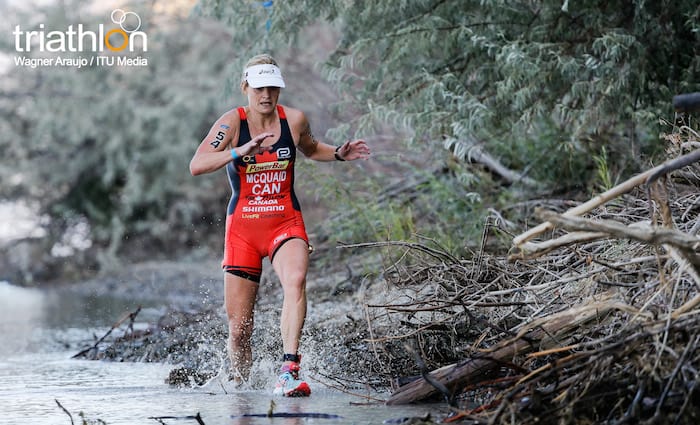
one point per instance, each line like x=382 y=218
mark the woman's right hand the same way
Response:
x=255 y=147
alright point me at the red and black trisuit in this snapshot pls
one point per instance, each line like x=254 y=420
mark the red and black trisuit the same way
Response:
x=264 y=211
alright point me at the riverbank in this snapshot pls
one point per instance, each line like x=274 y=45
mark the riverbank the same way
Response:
x=190 y=333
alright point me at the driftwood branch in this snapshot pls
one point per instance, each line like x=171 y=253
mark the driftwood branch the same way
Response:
x=601 y=199
x=643 y=178
x=534 y=250
x=674 y=164
x=128 y=316
x=544 y=333
x=679 y=243
x=65 y=410
x=196 y=417
x=478 y=155
x=639 y=231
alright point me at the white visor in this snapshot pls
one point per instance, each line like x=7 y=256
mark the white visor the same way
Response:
x=266 y=75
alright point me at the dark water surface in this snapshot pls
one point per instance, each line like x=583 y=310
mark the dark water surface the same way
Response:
x=41 y=330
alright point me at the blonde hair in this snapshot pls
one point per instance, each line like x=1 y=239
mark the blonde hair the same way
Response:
x=262 y=59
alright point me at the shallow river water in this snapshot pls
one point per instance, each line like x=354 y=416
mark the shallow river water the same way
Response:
x=38 y=335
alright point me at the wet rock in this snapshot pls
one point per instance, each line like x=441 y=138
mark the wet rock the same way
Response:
x=186 y=377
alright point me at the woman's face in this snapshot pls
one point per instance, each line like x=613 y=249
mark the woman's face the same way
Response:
x=263 y=99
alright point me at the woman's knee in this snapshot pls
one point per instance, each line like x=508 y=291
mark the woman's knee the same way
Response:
x=294 y=282
x=296 y=277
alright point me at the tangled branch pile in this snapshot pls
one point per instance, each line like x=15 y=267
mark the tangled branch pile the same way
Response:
x=598 y=322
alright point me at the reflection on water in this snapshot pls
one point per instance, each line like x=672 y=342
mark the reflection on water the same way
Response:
x=39 y=334
x=21 y=311
x=33 y=319
x=33 y=382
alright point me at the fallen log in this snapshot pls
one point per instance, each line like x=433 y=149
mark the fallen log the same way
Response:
x=544 y=333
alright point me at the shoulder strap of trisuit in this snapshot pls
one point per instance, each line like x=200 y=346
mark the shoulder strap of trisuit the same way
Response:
x=241 y=113
x=280 y=112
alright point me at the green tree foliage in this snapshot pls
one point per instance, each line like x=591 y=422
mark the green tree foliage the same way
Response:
x=111 y=144
x=543 y=87
x=535 y=83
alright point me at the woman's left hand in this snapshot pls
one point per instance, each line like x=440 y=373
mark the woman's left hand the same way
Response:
x=354 y=149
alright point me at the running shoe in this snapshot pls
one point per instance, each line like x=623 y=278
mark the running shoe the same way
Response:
x=289 y=384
